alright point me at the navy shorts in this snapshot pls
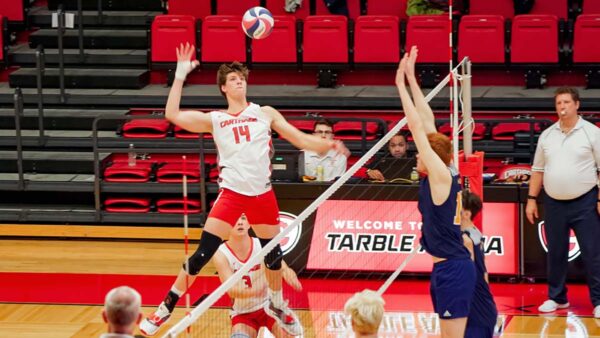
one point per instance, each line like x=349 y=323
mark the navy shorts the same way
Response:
x=479 y=332
x=452 y=286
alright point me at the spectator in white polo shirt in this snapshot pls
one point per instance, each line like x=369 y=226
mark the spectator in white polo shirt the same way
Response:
x=566 y=162
x=333 y=164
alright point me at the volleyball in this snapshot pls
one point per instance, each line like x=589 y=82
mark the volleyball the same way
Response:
x=257 y=22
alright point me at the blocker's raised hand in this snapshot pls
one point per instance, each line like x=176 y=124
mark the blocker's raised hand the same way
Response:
x=411 y=61
x=184 y=61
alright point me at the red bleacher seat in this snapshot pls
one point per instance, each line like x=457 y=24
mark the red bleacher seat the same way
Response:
x=591 y=7
x=197 y=9
x=171 y=167
x=430 y=34
x=505 y=8
x=173 y=172
x=587 y=30
x=304 y=125
x=352 y=130
x=534 y=39
x=146 y=128
x=177 y=206
x=13 y=10
x=374 y=38
x=481 y=38
x=387 y=7
x=281 y=46
x=127 y=204
x=353 y=8
x=277 y=7
x=558 y=8
x=223 y=39
x=478 y=131
x=168 y=32
x=234 y=7
x=506 y=130
x=326 y=30
x=123 y=172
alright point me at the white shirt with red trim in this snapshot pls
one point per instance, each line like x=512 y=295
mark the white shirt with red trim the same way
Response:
x=251 y=280
x=244 y=149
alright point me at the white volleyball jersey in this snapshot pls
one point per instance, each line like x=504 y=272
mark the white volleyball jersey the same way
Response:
x=244 y=150
x=251 y=280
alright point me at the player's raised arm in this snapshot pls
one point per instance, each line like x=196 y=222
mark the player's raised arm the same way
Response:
x=299 y=139
x=191 y=120
x=422 y=106
x=438 y=173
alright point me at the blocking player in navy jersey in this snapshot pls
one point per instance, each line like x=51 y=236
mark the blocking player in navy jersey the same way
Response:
x=242 y=135
x=453 y=275
x=483 y=315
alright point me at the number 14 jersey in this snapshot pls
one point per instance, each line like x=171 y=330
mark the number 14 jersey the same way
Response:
x=244 y=150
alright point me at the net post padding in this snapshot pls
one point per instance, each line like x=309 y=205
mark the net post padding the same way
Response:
x=471 y=173
x=224 y=287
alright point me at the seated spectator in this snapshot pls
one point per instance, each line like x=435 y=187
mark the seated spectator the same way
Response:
x=332 y=163
x=122 y=312
x=397 y=148
x=366 y=312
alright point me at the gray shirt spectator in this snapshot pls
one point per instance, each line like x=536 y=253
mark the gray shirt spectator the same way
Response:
x=579 y=148
x=566 y=162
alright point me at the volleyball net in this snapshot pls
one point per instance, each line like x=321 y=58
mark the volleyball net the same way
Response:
x=351 y=237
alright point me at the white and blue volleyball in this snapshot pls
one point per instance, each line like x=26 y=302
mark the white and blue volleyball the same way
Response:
x=257 y=22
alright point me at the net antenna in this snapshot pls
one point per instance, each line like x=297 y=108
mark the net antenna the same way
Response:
x=209 y=301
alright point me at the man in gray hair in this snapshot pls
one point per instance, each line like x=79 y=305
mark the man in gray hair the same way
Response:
x=121 y=312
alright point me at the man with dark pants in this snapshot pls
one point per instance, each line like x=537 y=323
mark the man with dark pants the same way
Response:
x=566 y=162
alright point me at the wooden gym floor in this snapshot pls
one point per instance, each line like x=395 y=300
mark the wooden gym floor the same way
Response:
x=53 y=280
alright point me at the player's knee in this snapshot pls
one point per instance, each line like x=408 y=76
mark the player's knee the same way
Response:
x=240 y=335
x=273 y=259
x=209 y=244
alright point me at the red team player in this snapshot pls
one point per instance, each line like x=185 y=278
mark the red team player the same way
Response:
x=242 y=135
x=249 y=295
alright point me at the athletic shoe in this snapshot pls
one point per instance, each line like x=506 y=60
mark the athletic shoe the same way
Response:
x=151 y=324
x=597 y=312
x=551 y=306
x=285 y=318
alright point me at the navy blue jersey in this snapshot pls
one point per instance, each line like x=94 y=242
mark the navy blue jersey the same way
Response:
x=483 y=308
x=440 y=234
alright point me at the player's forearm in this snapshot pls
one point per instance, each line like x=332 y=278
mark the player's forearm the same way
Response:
x=535 y=183
x=245 y=292
x=414 y=120
x=423 y=108
x=174 y=100
x=315 y=143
